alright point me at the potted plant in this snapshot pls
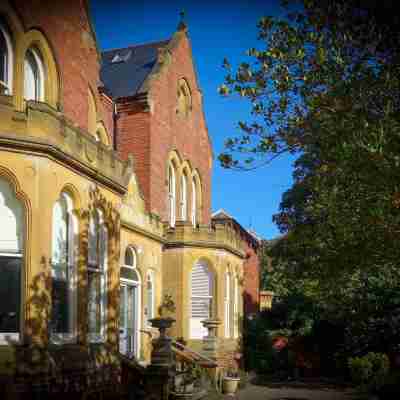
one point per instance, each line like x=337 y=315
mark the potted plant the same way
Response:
x=230 y=381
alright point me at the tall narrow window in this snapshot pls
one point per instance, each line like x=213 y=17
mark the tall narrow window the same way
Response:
x=235 y=307
x=150 y=295
x=227 y=305
x=11 y=262
x=34 y=76
x=6 y=60
x=63 y=315
x=183 y=197
x=171 y=195
x=194 y=203
x=201 y=299
x=97 y=278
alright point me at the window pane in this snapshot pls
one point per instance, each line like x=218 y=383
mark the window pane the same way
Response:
x=150 y=313
x=60 y=307
x=10 y=293
x=94 y=302
x=31 y=77
x=129 y=257
x=92 y=245
x=3 y=60
x=128 y=273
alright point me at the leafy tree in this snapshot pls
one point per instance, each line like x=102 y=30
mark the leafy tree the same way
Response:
x=324 y=85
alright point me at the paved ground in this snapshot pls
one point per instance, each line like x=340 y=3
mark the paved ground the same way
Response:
x=252 y=392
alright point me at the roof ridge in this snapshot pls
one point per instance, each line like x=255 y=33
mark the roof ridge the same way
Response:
x=135 y=45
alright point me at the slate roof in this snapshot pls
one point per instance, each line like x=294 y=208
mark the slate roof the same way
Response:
x=132 y=65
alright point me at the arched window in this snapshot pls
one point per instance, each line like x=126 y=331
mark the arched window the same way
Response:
x=63 y=262
x=97 y=277
x=194 y=202
x=227 y=305
x=235 y=307
x=171 y=195
x=129 y=317
x=6 y=60
x=201 y=298
x=11 y=262
x=183 y=197
x=184 y=105
x=34 y=76
x=150 y=296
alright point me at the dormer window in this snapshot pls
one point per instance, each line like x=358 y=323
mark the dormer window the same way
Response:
x=5 y=61
x=118 y=58
x=34 y=76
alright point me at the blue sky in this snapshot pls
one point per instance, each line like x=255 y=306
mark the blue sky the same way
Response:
x=217 y=29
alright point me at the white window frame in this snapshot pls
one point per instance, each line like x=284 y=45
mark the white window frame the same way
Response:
x=172 y=195
x=235 y=307
x=102 y=270
x=150 y=300
x=194 y=202
x=39 y=81
x=15 y=251
x=72 y=253
x=228 y=305
x=7 y=84
x=138 y=285
x=183 y=197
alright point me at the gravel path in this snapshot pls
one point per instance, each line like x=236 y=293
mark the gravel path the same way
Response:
x=252 y=392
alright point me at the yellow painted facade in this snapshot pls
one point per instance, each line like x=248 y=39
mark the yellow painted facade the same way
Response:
x=43 y=154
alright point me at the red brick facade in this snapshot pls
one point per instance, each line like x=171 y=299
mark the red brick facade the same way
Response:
x=66 y=26
x=251 y=269
x=153 y=129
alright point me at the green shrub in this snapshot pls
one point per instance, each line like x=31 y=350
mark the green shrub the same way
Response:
x=369 y=371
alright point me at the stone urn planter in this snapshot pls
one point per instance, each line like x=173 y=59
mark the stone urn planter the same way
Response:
x=230 y=385
x=162 y=324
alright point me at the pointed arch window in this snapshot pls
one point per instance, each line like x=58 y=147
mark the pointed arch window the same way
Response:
x=97 y=277
x=34 y=75
x=63 y=262
x=194 y=202
x=201 y=298
x=171 y=195
x=183 y=197
x=11 y=262
x=6 y=60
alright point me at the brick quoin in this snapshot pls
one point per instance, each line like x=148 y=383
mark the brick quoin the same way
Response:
x=151 y=133
x=66 y=26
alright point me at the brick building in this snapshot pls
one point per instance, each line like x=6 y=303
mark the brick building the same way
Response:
x=105 y=189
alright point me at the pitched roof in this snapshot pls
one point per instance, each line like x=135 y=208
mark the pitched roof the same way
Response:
x=123 y=71
x=221 y=214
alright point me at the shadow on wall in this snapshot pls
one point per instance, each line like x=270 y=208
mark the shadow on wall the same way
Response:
x=39 y=369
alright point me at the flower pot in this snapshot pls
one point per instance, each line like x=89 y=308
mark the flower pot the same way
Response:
x=230 y=385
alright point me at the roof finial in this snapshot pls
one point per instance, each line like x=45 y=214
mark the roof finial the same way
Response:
x=182 y=25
